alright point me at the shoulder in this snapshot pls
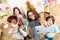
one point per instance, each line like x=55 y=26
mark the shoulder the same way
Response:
x=55 y=25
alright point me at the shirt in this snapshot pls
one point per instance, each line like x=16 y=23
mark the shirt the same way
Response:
x=33 y=24
x=52 y=29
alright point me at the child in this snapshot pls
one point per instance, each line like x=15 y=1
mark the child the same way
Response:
x=46 y=14
x=17 y=12
x=8 y=11
x=14 y=27
x=51 y=27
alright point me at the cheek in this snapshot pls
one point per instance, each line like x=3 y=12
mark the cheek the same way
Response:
x=13 y=21
x=46 y=15
x=33 y=17
x=16 y=13
x=51 y=22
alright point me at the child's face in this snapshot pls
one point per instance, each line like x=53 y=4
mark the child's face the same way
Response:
x=46 y=15
x=31 y=15
x=16 y=12
x=13 y=21
x=50 y=22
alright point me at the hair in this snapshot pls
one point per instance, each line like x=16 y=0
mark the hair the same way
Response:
x=0 y=9
x=24 y=16
x=10 y=18
x=52 y=17
x=47 y=13
x=7 y=7
x=17 y=9
x=35 y=13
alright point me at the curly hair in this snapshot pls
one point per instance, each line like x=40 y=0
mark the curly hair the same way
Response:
x=52 y=17
x=10 y=18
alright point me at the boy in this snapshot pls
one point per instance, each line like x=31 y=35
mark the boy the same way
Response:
x=53 y=29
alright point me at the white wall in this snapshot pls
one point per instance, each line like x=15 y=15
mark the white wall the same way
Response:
x=58 y=1
x=17 y=3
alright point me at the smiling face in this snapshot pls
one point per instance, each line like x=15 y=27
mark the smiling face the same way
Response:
x=31 y=15
x=14 y=21
x=16 y=12
x=50 y=22
x=46 y=15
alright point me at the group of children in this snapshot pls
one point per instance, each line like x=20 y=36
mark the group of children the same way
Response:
x=23 y=26
x=52 y=27
x=17 y=23
x=48 y=21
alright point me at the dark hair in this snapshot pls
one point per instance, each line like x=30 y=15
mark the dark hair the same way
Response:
x=10 y=18
x=24 y=16
x=17 y=9
x=47 y=13
x=52 y=17
x=0 y=9
x=35 y=13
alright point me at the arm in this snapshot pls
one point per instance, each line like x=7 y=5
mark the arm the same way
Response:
x=53 y=33
x=28 y=30
x=56 y=29
x=22 y=27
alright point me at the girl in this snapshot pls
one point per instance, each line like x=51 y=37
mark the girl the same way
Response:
x=53 y=29
x=13 y=29
x=24 y=29
x=17 y=12
x=33 y=22
x=20 y=15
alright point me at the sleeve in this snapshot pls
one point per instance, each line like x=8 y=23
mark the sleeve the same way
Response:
x=24 y=33
x=56 y=28
x=29 y=24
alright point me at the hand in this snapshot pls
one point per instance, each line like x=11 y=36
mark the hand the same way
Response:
x=47 y=33
x=28 y=30
x=43 y=34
